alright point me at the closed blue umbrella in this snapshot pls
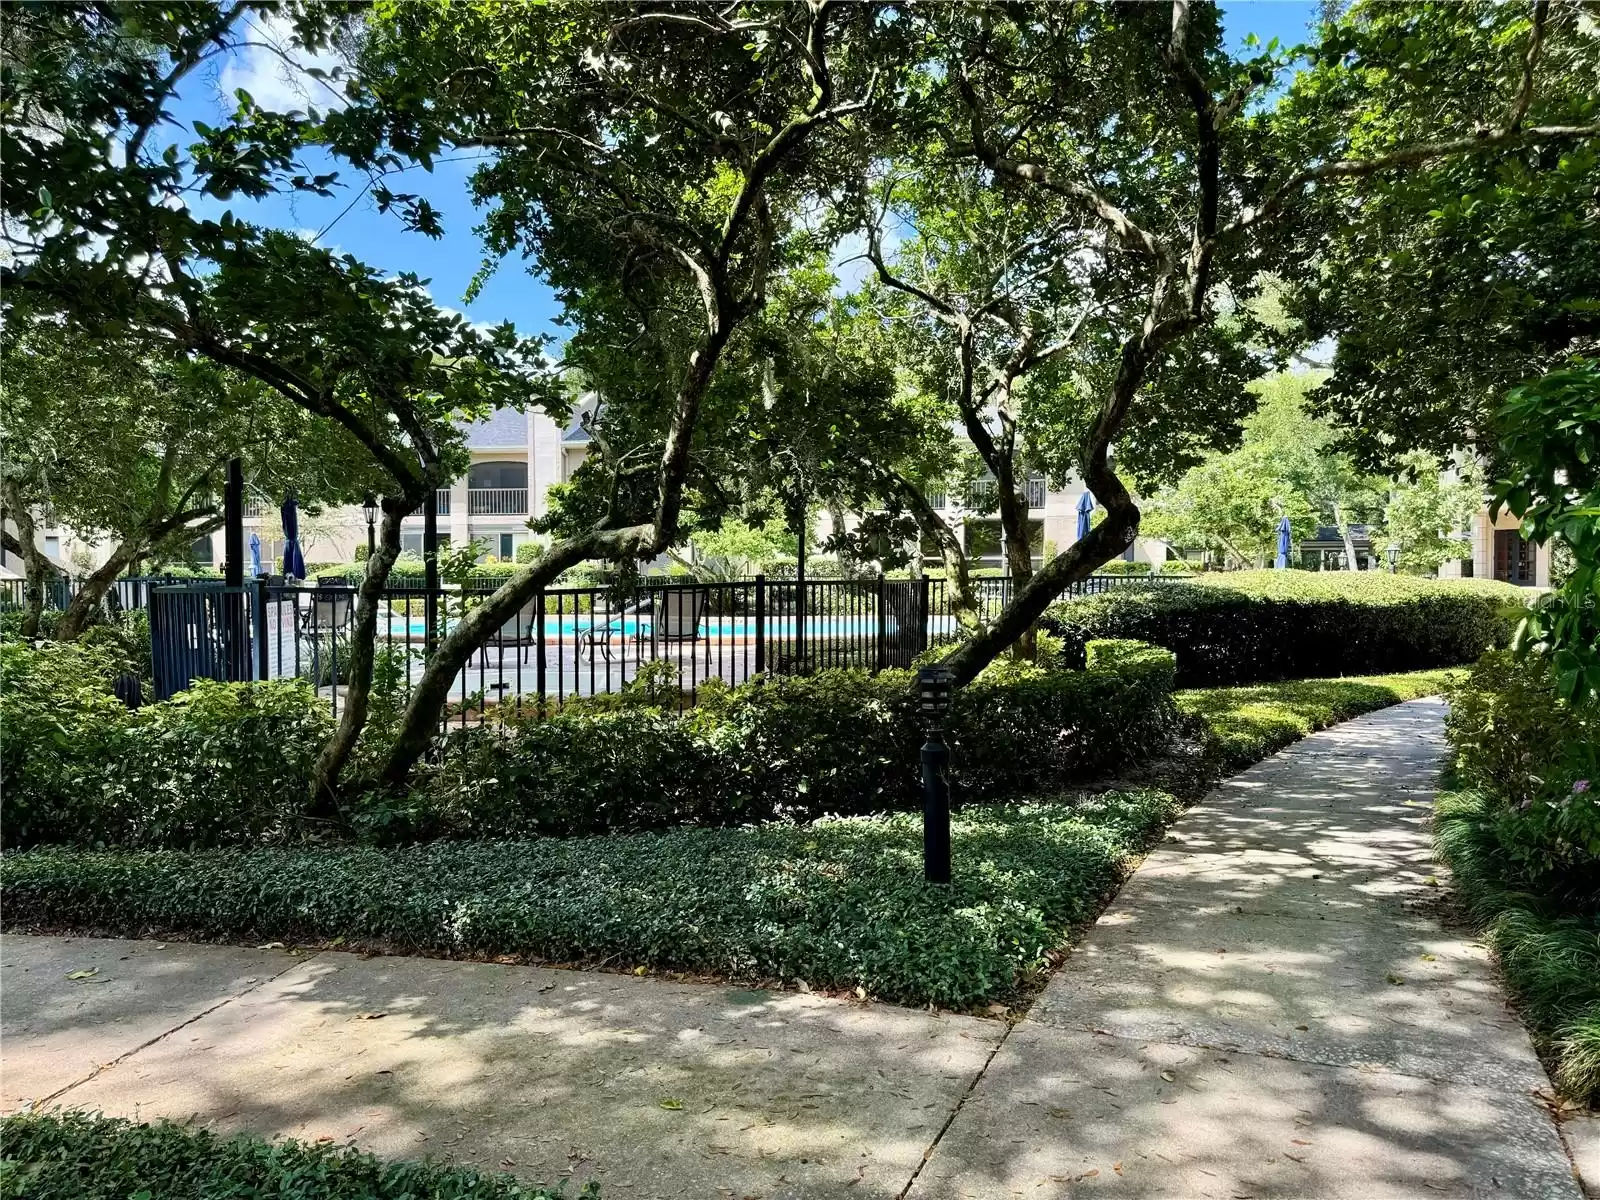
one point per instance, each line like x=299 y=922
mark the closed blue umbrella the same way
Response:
x=255 y=555
x=294 y=563
x=1282 y=561
x=1085 y=507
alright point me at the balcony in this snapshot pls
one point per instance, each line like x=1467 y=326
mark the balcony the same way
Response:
x=981 y=492
x=497 y=502
x=441 y=500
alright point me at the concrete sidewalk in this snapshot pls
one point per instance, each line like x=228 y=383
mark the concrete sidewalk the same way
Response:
x=1271 y=1008
x=1268 y=1009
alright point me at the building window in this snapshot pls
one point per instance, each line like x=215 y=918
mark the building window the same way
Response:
x=485 y=475
x=411 y=543
x=508 y=547
x=52 y=546
x=937 y=500
x=200 y=553
x=1513 y=557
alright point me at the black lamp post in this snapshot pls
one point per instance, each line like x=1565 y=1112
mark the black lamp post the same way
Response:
x=934 y=686
x=370 y=507
x=1394 y=556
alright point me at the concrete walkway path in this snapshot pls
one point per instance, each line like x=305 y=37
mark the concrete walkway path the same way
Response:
x=1269 y=1009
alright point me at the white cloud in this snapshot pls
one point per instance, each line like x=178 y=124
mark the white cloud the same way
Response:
x=271 y=66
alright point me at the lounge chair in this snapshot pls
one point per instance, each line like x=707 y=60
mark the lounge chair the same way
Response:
x=676 y=616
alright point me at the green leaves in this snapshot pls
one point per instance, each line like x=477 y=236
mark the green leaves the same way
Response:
x=1550 y=478
x=70 y=1155
x=839 y=903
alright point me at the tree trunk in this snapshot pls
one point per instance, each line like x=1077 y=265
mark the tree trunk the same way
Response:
x=959 y=593
x=1349 y=541
x=36 y=566
x=93 y=590
x=363 y=638
x=1019 y=552
x=1106 y=540
x=474 y=630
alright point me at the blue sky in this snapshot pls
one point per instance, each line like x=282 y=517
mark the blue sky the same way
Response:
x=351 y=223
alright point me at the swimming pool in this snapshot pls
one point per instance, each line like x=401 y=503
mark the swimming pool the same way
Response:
x=711 y=629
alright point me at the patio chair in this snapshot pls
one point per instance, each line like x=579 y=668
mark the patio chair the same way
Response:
x=328 y=612
x=676 y=616
x=518 y=631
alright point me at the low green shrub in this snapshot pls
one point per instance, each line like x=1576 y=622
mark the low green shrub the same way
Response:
x=1242 y=725
x=58 y=728
x=1256 y=626
x=792 y=746
x=837 y=902
x=219 y=763
x=1538 y=757
x=1121 y=566
x=1548 y=945
x=69 y=1155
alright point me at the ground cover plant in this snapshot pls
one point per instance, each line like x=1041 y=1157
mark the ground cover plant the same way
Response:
x=1520 y=828
x=1252 y=626
x=68 y=1155
x=1241 y=725
x=839 y=903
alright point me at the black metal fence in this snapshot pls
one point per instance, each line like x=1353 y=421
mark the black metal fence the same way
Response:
x=129 y=592
x=565 y=642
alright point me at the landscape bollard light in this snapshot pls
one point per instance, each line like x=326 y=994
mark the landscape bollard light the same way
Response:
x=934 y=686
x=1394 y=556
x=370 y=507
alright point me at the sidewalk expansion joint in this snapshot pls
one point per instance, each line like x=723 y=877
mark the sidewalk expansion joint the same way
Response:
x=102 y=1068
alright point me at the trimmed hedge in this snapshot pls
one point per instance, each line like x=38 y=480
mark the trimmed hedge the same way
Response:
x=1254 y=626
x=838 y=903
x=226 y=764
x=838 y=742
x=1242 y=725
x=68 y=1155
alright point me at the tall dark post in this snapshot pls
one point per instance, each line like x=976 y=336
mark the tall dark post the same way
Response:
x=233 y=525
x=235 y=631
x=800 y=592
x=430 y=569
x=761 y=622
x=934 y=686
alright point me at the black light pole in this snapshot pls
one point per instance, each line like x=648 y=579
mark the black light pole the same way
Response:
x=1394 y=556
x=370 y=507
x=934 y=687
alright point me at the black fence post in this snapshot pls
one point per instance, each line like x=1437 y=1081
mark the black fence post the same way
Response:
x=761 y=622
x=258 y=615
x=925 y=593
x=538 y=644
x=883 y=623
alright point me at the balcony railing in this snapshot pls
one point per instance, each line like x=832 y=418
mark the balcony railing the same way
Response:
x=980 y=493
x=441 y=504
x=497 y=502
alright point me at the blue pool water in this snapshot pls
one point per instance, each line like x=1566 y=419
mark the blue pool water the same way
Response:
x=712 y=628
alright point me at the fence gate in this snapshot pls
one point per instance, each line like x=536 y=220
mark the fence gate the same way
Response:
x=206 y=632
